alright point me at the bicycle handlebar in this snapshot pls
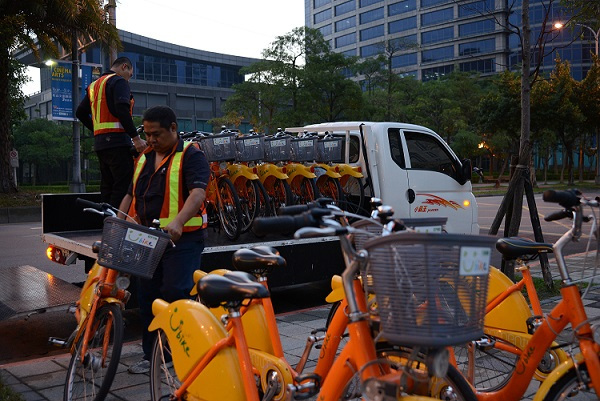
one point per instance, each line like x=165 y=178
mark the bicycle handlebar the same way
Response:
x=101 y=208
x=567 y=199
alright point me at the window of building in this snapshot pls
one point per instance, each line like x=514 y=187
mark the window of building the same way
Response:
x=477 y=27
x=364 y=3
x=349 y=53
x=427 y=74
x=325 y=30
x=439 y=54
x=345 y=7
x=371 y=50
x=481 y=66
x=425 y=152
x=514 y=41
x=402 y=25
x=345 y=40
x=371 y=16
x=437 y=35
x=402 y=7
x=370 y=33
x=480 y=7
x=477 y=47
x=407 y=41
x=322 y=16
x=404 y=60
x=320 y=3
x=430 y=3
x=346 y=23
x=437 y=17
x=407 y=74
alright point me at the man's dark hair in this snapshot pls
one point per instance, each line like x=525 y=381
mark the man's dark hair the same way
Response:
x=122 y=60
x=164 y=115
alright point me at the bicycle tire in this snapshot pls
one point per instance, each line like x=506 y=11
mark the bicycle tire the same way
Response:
x=354 y=195
x=568 y=387
x=305 y=190
x=78 y=385
x=249 y=195
x=280 y=193
x=452 y=387
x=265 y=206
x=331 y=188
x=163 y=380
x=230 y=210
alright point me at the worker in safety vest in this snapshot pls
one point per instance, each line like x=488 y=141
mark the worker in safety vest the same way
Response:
x=106 y=110
x=169 y=184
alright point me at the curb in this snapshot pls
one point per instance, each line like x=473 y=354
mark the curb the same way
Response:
x=25 y=214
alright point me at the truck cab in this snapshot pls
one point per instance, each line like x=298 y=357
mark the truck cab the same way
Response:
x=411 y=168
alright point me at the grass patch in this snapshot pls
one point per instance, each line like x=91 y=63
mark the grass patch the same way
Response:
x=7 y=394
x=544 y=292
x=490 y=190
x=31 y=196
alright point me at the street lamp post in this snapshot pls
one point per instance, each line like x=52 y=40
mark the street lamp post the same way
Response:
x=596 y=35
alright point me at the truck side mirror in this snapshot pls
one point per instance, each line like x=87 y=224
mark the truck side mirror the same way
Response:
x=465 y=171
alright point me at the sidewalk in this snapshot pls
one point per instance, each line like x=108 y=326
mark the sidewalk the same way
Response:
x=43 y=379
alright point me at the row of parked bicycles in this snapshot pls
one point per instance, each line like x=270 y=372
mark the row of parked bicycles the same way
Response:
x=254 y=175
x=414 y=318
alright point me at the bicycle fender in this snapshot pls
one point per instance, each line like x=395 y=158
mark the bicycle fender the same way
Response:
x=192 y=330
x=265 y=362
x=327 y=171
x=295 y=169
x=337 y=290
x=346 y=169
x=513 y=312
x=265 y=171
x=236 y=170
x=555 y=375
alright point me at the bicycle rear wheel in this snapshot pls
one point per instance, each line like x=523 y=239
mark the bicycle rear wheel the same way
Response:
x=331 y=188
x=280 y=193
x=90 y=378
x=354 y=194
x=305 y=190
x=249 y=194
x=230 y=210
x=163 y=380
x=570 y=387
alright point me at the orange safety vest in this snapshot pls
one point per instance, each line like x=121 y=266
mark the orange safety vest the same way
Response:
x=104 y=121
x=173 y=200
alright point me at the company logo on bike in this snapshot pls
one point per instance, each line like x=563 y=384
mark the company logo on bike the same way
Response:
x=474 y=261
x=428 y=205
x=138 y=237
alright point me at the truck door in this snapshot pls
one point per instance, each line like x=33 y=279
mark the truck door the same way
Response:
x=433 y=188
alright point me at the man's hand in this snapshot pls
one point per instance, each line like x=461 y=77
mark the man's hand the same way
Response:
x=139 y=144
x=175 y=229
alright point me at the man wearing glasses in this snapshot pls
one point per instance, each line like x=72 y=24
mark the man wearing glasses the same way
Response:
x=106 y=110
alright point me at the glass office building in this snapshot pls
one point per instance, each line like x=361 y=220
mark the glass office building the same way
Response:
x=192 y=82
x=434 y=37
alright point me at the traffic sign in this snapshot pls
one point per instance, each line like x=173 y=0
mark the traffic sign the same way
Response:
x=14 y=158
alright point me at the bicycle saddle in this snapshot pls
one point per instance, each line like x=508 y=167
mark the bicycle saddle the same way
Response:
x=514 y=247
x=259 y=260
x=215 y=290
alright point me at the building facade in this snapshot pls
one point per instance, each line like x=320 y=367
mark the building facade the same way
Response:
x=431 y=38
x=194 y=83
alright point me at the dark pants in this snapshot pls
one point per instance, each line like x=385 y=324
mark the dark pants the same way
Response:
x=116 y=169
x=172 y=280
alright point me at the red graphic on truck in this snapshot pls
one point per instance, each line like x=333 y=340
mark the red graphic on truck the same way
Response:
x=434 y=200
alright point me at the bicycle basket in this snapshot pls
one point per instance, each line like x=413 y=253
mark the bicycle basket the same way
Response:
x=420 y=225
x=219 y=147
x=329 y=150
x=277 y=148
x=131 y=248
x=304 y=149
x=249 y=148
x=431 y=289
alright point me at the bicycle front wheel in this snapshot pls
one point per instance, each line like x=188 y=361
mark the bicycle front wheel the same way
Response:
x=163 y=380
x=331 y=188
x=230 y=210
x=354 y=194
x=571 y=387
x=90 y=377
x=305 y=190
x=249 y=194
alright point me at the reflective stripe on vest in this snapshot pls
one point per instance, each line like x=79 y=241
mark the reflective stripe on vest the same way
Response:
x=172 y=186
x=103 y=120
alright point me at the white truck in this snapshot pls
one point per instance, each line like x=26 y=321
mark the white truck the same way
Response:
x=408 y=166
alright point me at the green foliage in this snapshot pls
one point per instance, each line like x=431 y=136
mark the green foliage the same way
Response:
x=43 y=142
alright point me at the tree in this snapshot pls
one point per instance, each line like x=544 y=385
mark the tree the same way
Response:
x=41 y=25
x=42 y=143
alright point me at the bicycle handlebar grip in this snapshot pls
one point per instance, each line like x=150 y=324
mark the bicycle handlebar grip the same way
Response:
x=566 y=199
x=87 y=203
x=293 y=210
x=561 y=214
x=283 y=224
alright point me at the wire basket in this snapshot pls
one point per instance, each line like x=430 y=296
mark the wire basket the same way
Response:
x=250 y=148
x=431 y=289
x=219 y=147
x=329 y=150
x=277 y=149
x=131 y=248
x=420 y=225
x=304 y=149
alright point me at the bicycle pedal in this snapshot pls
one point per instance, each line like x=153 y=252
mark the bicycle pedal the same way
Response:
x=301 y=390
x=57 y=342
x=379 y=390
